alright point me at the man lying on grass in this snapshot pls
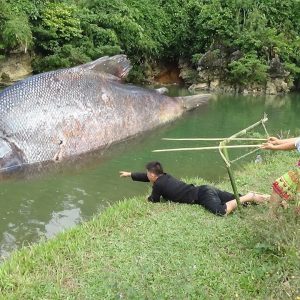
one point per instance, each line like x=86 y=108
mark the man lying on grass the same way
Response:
x=164 y=185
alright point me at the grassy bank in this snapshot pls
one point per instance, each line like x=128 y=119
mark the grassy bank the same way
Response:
x=140 y=250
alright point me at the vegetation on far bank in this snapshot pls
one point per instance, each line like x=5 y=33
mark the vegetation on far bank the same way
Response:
x=140 y=250
x=236 y=40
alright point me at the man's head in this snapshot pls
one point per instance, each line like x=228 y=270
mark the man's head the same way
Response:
x=154 y=170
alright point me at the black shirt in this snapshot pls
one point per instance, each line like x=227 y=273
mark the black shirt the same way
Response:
x=169 y=188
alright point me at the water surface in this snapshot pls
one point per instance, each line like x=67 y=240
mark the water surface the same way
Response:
x=41 y=206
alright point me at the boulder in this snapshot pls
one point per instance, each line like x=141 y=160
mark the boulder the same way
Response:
x=281 y=85
x=162 y=90
x=199 y=87
x=271 y=88
x=277 y=86
x=276 y=69
x=215 y=84
x=15 y=67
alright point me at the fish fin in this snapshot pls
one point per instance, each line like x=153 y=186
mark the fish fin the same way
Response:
x=118 y=65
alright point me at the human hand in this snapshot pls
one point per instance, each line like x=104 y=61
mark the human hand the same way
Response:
x=273 y=140
x=268 y=146
x=124 y=174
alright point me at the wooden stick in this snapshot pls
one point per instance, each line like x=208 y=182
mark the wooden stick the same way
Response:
x=207 y=148
x=212 y=139
x=243 y=156
x=232 y=180
x=244 y=131
x=224 y=154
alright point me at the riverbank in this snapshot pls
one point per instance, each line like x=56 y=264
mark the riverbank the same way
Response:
x=139 y=250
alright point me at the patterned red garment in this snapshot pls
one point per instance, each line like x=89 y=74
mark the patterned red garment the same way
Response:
x=287 y=186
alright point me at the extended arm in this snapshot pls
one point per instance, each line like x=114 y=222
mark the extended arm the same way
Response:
x=276 y=144
x=136 y=176
x=276 y=141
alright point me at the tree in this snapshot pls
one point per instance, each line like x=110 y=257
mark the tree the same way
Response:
x=15 y=29
x=248 y=69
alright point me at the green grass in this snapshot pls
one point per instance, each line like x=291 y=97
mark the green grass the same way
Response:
x=140 y=250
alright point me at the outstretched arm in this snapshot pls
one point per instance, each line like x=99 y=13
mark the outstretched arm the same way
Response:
x=125 y=174
x=277 y=141
x=136 y=176
x=276 y=144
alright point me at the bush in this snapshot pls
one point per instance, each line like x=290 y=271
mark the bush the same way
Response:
x=17 y=34
x=66 y=57
x=15 y=31
x=248 y=69
x=158 y=30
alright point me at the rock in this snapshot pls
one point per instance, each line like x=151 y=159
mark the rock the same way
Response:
x=199 y=87
x=5 y=77
x=271 y=88
x=214 y=84
x=277 y=86
x=165 y=73
x=163 y=90
x=236 y=55
x=212 y=59
x=189 y=75
x=281 y=85
x=15 y=67
x=258 y=159
x=276 y=69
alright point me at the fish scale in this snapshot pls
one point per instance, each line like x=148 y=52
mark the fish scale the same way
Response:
x=63 y=113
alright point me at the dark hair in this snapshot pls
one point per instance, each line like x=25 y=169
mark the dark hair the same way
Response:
x=155 y=167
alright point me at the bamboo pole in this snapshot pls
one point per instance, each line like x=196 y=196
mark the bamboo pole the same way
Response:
x=231 y=177
x=243 y=156
x=224 y=154
x=207 y=148
x=244 y=131
x=212 y=139
x=223 y=149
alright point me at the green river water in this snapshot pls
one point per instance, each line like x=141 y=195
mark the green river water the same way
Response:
x=41 y=206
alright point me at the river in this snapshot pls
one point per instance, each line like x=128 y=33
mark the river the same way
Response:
x=41 y=206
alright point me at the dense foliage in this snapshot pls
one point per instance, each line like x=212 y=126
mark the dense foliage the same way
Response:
x=242 y=37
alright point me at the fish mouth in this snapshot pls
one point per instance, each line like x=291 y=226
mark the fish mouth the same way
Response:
x=11 y=157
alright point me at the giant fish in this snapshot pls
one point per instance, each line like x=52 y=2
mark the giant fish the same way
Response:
x=64 y=113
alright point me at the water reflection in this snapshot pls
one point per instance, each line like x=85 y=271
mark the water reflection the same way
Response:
x=26 y=228
x=62 y=220
x=8 y=244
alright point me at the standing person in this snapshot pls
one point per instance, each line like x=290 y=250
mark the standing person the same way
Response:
x=164 y=185
x=287 y=186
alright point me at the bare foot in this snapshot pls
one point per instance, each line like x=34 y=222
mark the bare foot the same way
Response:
x=260 y=198
x=284 y=204
x=297 y=211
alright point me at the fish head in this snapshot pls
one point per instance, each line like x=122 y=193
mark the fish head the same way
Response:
x=11 y=158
